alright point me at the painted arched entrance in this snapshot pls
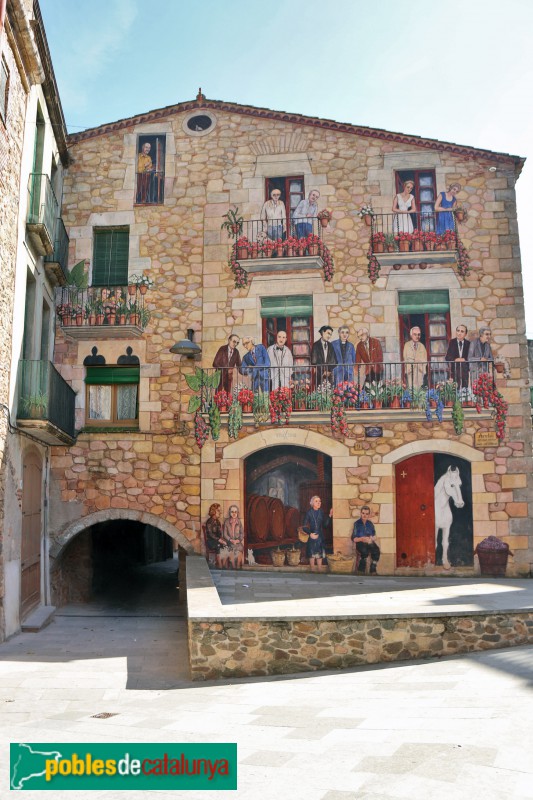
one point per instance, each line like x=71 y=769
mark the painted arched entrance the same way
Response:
x=30 y=579
x=434 y=511
x=279 y=483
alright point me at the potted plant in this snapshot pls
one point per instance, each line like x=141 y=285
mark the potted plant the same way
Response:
x=461 y=214
x=448 y=392
x=266 y=248
x=365 y=401
x=233 y=222
x=246 y=399
x=280 y=405
x=434 y=402
x=260 y=408
x=313 y=244
x=35 y=405
x=234 y=419
x=291 y=243
x=366 y=213
x=302 y=245
x=430 y=240
x=440 y=244
x=419 y=398
x=406 y=399
x=133 y=313
x=122 y=313
x=90 y=314
x=378 y=242
x=404 y=241
x=300 y=393
x=376 y=392
x=142 y=282
x=394 y=391
x=222 y=400
x=390 y=244
x=278 y=246
x=324 y=216
x=417 y=239
x=322 y=398
x=449 y=238
x=78 y=314
x=243 y=248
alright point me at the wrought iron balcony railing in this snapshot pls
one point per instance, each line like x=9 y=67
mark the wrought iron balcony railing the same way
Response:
x=362 y=386
x=406 y=232
x=45 y=397
x=279 y=238
x=61 y=245
x=111 y=307
x=150 y=188
x=43 y=210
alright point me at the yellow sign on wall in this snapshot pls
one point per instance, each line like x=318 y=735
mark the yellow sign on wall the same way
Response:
x=486 y=439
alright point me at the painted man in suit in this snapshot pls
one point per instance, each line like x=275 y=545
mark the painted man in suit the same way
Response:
x=457 y=356
x=227 y=359
x=345 y=354
x=369 y=353
x=416 y=358
x=254 y=362
x=323 y=355
x=480 y=354
x=281 y=361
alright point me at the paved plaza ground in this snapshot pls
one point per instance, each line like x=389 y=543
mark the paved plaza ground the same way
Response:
x=446 y=728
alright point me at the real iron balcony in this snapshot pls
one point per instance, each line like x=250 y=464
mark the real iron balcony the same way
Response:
x=46 y=403
x=43 y=212
x=56 y=263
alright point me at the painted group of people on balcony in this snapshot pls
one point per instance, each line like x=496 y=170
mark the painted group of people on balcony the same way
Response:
x=404 y=204
x=274 y=215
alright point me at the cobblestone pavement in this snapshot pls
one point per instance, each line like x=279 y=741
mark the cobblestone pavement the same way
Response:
x=452 y=728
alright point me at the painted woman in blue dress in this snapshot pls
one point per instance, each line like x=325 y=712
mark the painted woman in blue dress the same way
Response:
x=314 y=523
x=445 y=201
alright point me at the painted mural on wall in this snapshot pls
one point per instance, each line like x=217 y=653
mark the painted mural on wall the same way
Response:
x=150 y=169
x=453 y=511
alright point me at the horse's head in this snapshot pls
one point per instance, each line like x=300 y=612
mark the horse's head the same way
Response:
x=452 y=483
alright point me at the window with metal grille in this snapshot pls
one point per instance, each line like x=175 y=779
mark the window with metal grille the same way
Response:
x=4 y=89
x=110 y=256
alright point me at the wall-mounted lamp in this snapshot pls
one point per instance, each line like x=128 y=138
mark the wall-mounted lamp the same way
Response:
x=493 y=169
x=187 y=347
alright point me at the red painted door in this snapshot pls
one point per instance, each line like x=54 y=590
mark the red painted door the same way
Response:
x=415 y=512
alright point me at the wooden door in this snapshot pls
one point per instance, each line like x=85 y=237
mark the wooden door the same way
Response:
x=415 y=511
x=30 y=590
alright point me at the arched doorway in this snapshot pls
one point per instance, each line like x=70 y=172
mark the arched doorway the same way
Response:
x=434 y=511
x=30 y=578
x=279 y=483
x=123 y=563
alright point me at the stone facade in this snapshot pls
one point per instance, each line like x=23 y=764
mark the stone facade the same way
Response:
x=159 y=470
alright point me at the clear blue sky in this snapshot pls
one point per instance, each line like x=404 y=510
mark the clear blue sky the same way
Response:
x=457 y=70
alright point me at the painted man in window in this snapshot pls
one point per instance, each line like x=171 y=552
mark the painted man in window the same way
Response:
x=274 y=216
x=457 y=357
x=255 y=363
x=281 y=361
x=345 y=354
x=416 y=358
x=304 y=213
x=145 y=174
x=323 y=355
x=480 y=357
x=369 y=353
x=227 y=360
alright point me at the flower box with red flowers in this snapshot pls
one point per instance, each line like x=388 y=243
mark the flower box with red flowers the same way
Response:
x=222 y=400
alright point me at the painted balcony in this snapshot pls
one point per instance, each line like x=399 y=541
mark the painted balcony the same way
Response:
x=369 y=393
x=45 y=403
x=397 y=239
x=43 y=212
x=277 y=247
x=102 y=312
x=149 y=188
x=56 y=264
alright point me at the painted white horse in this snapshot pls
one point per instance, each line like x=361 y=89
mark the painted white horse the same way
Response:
x=448 y=487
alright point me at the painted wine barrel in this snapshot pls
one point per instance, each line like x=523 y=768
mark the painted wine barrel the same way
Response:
x=292 y=521
x=276 y=511
x=258 y=518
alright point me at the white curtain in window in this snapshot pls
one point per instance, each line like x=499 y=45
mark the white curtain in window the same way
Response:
x=99 y=402
x=127 y=401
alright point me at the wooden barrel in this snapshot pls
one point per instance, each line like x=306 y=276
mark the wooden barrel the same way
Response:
x=292 y=520
x=258 y=518
x=276 y=511
x=250 y=517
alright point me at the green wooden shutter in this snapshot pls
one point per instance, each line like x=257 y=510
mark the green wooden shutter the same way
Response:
x=105 y=375
x=426 y=302
x=299 y=305
x=110 y=256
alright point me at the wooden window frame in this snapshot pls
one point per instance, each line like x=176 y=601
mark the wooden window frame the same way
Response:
x=271 y=183
x=158 y=175
x=113 y=422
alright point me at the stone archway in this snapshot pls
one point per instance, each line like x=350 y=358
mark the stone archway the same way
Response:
x=59 y=541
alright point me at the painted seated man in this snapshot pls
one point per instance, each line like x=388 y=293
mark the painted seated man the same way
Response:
x=345 y=354
x=364 y=538
x=255 y=363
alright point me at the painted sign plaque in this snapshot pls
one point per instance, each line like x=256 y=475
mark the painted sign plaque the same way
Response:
x=486 y=439
x=373 y=432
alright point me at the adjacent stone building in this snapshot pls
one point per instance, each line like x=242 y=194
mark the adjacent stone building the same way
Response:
x=147 y=196
x=33 y=260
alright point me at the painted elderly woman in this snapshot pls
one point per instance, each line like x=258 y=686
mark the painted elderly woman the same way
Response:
x=314 y=523
x=233 y=533
x=213 y=531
